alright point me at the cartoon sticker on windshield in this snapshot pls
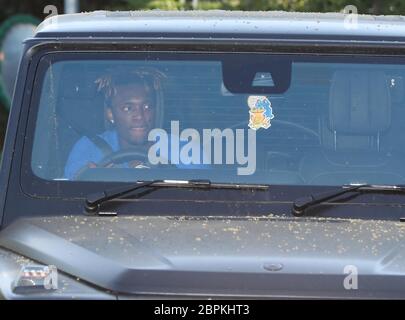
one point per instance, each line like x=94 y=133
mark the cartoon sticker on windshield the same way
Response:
x=260 y=112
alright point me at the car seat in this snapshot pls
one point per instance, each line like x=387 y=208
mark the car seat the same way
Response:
x=359 y=114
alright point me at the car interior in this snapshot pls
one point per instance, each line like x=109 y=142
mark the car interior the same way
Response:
x=336 y=124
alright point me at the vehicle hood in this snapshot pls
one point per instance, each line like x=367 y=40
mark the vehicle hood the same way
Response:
x=224 y=256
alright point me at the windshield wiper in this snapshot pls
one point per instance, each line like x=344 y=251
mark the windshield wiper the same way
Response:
x=95 y=200
x=303 y=203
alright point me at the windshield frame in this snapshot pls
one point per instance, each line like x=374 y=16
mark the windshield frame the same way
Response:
x=280 y=194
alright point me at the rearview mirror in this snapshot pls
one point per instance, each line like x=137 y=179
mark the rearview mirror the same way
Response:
x=264 y=75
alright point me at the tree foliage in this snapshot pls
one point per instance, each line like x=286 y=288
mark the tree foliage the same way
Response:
x=363 y=6
x=35 y=7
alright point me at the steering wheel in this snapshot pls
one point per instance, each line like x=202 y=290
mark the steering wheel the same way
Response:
x=119 y=157
x=293 y=125
x=285 y=123
x=122 y=156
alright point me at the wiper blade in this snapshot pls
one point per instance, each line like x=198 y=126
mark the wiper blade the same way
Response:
x=303 y=203
x=95 y=200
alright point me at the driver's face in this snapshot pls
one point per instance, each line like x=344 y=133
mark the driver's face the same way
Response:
x=133 y=112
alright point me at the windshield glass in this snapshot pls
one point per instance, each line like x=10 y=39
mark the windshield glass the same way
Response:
x=257 y=118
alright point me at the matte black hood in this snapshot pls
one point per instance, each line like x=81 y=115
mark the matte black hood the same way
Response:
x=225 y=256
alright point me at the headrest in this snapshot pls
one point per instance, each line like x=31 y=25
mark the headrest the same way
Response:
x=79 y=93
x=79 y=106
x=359 y=102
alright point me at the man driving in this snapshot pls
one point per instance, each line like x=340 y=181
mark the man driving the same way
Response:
x=131 y=110
x=133 y=107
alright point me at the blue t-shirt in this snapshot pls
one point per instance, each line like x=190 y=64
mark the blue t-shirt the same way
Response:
x=85 y=151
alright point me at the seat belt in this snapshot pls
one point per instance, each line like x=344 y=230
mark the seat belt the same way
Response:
x=101 y=144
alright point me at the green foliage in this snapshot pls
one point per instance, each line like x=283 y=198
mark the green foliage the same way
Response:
x=363 y=6
x=35 y=7
x=154 y=4
x=4 y=28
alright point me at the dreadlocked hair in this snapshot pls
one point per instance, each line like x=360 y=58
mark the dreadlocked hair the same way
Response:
x=149 y=78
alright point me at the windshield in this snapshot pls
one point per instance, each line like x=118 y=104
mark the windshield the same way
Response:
x=257 y=118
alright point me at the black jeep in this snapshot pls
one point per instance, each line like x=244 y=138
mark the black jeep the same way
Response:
x=206 y=154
